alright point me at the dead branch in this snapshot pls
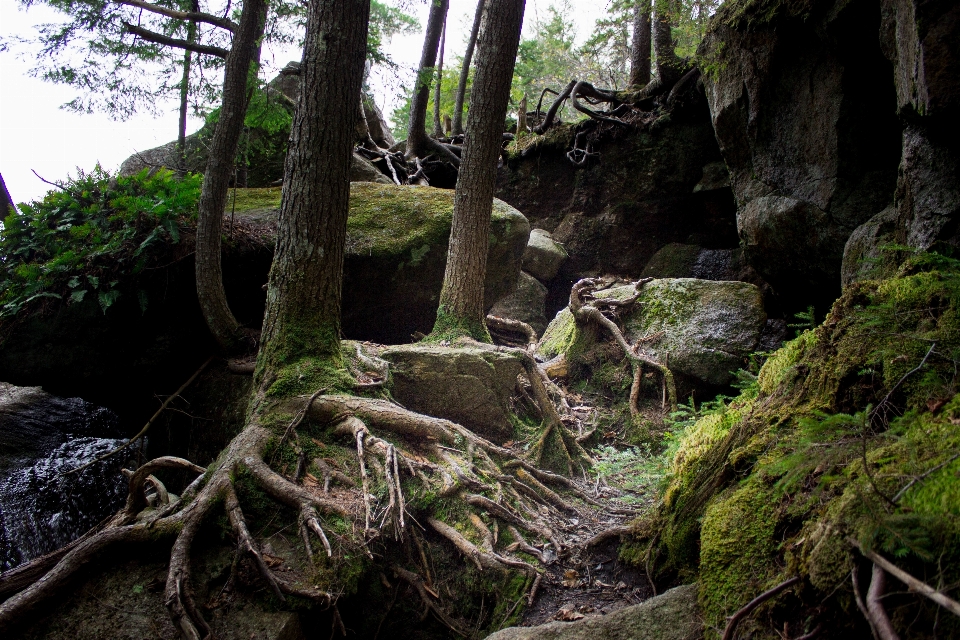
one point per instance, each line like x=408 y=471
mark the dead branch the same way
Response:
x=922 y=588
x=734 y=620
x=192 y=16
x=878 y=615
x=860 y=603
x=153 y=418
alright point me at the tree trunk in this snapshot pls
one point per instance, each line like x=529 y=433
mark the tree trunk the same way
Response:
x=465 y=71
x=462 y=309
x=417 y=127
x=216 y=181
x=304 y=291
x=640 y=47
x=669 y=66
x=185 y=94
x=437 y=125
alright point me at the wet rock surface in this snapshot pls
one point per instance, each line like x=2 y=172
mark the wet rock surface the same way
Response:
x=42 y=437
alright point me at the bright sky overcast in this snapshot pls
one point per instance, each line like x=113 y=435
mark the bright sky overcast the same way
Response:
x=36 y=135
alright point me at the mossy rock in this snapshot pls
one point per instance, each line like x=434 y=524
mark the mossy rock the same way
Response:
x=773 y=484
x=396 y=254
x=466 y=385
x=707 y=328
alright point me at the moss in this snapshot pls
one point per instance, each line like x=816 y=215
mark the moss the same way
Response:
x=242 y=200
x=449 y=328
x=773 y=486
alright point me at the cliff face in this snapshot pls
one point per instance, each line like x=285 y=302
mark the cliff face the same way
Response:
x=803 y=104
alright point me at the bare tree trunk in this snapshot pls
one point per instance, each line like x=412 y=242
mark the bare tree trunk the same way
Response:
x=417 y=127
x=669 y=66
x=640 y=46
x=185 y=94
x=461 y=300
x=437 y=125
x=465 y=71
x=244 y=54
x=304 y=292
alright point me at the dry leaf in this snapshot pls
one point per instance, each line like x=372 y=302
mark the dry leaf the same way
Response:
x=568 y=615
x=570 y=578
x=272 y=561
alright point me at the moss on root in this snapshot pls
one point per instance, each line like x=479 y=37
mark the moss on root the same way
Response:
x=771 y=487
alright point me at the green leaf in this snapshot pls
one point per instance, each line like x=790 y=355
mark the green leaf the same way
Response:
x=74 y=282
x=94 y=281
x=107 y=298
x=77 y=296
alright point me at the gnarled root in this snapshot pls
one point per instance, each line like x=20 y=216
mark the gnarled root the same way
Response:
x=587 y=309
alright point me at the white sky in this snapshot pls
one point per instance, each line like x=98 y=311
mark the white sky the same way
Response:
x=35 y=134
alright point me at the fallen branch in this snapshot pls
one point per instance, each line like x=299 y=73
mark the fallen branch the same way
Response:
x=146 y=427
x=912 y=583
x=878 y=615
x=734 y=620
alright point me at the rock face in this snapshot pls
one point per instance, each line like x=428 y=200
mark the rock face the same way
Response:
x=614 y=213
x=543 y=256
x=463 y=384
x=919 y=38
x=804 y=108
x=673 y=615
x=678 y=260
x=526 y=303
x=708 y=328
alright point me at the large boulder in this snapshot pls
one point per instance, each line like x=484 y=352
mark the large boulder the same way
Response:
x=804 y=108
x=526 y=303
x=464 y=384
x=863 y=256
x=673 y=615
x=707 y=329
x=543 y=256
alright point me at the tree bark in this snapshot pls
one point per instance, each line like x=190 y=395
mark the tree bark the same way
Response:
x=457 y=127
x=244 y=54
x=640 y=46
x=669 y=66
x=461 y=300
x=437 y=124
x=185 y=94
x=304 y=291
x=417 y=126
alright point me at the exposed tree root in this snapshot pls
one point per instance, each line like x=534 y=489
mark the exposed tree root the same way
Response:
x=588 y=309
x=734 y=621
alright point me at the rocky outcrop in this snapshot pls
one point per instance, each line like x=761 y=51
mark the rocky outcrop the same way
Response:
x=527 y=303
x=677 y=260
x=704 y=330
x=804 y=108
x=673 y=615
x=920 y=39
x=466 y=385
x=863 y=255
x=636 y=196
x=153 y=337
x=543 y=256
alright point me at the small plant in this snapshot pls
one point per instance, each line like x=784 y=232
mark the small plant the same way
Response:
x=80 y=241
x=804 y=320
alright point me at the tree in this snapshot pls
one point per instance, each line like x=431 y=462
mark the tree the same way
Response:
x=462 y=310
x=437 y=125
x=640 y=44
x=418 y=142
x=669 y=66
x=185 y=89
x=239 y=76
x=465 y=70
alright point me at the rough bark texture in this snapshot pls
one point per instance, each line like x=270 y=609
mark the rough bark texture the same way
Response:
x=461 y=301
x=465 y=71
x=669 y=66
x=185 y=93
x=304 y=293
x=640 y=47
x=216 y=181
x=437 y=124
x=417 y=127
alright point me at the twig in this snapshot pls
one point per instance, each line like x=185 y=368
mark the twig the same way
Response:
x=735 y=619
x=150 y=422
x=922 y=588
x=924 y=476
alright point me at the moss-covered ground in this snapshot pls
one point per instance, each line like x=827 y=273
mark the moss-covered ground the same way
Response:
x=851 y=429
